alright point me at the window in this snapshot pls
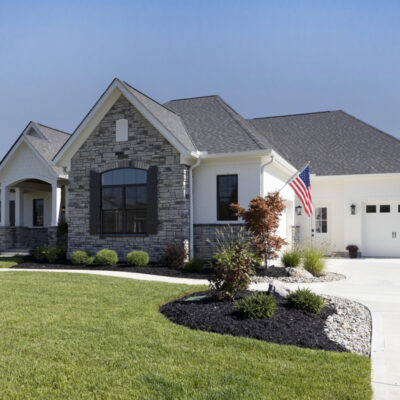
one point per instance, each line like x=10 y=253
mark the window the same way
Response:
x=227 y=193
x=384 y=208
x=321 y=220
x=370 y=209
x=38 y=212
x=124 y=200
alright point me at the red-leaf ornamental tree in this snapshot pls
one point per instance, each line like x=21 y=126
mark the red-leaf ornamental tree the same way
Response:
x=262 y=221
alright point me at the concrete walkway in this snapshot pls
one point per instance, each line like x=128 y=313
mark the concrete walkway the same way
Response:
x=372 y=282
x=376 y=284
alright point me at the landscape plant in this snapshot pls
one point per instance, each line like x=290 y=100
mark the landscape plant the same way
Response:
x=81 y=257
x=137 y=258
x=258 y=305
x=195 y=264
x=106 y=257
x=233 y=269
x=291 y=258
x=174 y=255
x=313 y=261
x=305 y=300
x=262 y=222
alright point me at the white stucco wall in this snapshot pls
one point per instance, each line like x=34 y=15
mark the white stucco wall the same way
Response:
x=338 y=194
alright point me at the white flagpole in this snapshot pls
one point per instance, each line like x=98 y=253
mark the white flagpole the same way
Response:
x=294 y=176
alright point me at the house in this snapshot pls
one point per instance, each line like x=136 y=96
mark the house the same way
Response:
x=137 y=174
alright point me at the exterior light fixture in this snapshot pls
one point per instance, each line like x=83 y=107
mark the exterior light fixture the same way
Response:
x=298 y=210
x=353 y=209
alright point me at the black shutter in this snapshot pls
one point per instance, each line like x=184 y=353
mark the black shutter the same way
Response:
x=152 y=201
x=95 y=203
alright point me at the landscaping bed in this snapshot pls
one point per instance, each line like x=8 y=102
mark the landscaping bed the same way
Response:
x=287 y=326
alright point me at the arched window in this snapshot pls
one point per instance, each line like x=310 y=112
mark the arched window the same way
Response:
x=124 y=201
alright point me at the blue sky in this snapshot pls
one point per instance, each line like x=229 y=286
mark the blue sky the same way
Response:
x=263 y=57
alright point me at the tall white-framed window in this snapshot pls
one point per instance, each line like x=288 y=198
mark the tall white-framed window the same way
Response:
x=321 y=219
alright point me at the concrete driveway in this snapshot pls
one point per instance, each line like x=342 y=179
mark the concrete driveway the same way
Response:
x=374 y=282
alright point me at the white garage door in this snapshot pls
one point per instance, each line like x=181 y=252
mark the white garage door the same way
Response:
x=381 y=229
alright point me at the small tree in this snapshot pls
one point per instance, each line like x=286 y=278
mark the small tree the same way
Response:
x=262 y=221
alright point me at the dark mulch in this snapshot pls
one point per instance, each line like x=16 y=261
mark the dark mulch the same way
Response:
x=153 y=269
x=287 y=326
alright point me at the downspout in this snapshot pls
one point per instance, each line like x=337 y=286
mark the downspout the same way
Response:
x=262 y=174
x=191 y=235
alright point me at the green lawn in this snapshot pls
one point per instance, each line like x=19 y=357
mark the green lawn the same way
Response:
x=73 y=336
x=8 y=262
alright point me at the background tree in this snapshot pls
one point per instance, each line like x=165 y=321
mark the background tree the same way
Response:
x=262 y=221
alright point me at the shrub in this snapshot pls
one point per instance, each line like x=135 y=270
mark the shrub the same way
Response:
x=106 y=257
x=195 y=264
x=81 y=257
x=291 y=258
x=304 y=299
x=40 y=253
x=174 y=255
x=258 y=305
x=232 y=271
x=137 y=258
x=313 y=261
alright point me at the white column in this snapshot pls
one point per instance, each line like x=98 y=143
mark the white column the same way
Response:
x=66 y=187
x=5 y=206
x=19 y=207
x=55 y=203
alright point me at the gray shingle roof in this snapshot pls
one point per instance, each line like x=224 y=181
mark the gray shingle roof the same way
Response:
x=167 y=117
x=335 y=142
x=215 y=127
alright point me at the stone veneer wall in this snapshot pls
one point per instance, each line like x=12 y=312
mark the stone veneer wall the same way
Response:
x=21 y=237
x=205 y=237
x=145 y=147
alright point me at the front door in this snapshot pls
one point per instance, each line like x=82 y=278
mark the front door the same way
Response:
x=321 y=229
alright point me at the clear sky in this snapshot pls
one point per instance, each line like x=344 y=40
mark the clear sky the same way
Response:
x=263 y=57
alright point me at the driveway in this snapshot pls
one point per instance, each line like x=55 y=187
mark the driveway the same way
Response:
x=374 y=282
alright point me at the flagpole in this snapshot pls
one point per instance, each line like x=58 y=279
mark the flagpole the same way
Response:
x=294 y=176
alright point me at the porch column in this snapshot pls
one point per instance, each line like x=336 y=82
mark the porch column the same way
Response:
x=19 y=207
x=55 y=203
x=66 y=187
x=5 y=206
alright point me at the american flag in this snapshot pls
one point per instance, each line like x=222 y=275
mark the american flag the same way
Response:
x=301 y=185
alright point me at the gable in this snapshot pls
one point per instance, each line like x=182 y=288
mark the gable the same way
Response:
x=165 y=121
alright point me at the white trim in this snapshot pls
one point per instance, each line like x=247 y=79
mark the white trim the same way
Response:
x=356 y=176
x=117 y=85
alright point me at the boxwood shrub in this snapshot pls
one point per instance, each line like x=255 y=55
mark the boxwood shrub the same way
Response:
x=81 y=257
x=306 y=300
x=258 y=305
x=137 y=258
x=195 y=264
x=106 y=257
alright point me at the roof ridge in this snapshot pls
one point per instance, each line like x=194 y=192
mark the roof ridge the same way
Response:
x=150 y=98
x=371 y=126
x=195 y=97
x=293 y=115
x=236 y=118
x=54 y=129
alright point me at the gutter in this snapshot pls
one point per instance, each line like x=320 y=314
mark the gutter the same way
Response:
x=262 y=174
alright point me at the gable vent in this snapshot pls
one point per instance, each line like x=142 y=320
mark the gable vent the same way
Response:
x=121 y=130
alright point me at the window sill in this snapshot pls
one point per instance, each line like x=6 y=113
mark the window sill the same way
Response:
x=123 y=235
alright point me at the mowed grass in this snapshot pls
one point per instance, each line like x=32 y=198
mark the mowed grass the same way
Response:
x=74 y=336
x=8 y=262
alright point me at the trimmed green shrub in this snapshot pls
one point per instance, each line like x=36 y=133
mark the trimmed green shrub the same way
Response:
x=81 y=257
x=291 y=258
x=137 y=258
x=195 y=264
x=106 y=257
x=313 y=261
x=306 y=300
x=40 y=253
x=258 y=305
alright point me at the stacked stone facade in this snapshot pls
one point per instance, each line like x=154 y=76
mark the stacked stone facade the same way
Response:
x=21 y=237
x=205 y=236
x=146 y=147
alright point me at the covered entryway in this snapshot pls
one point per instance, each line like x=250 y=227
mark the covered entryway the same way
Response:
x=381 y=229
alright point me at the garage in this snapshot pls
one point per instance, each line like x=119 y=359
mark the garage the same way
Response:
x=381 y=229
